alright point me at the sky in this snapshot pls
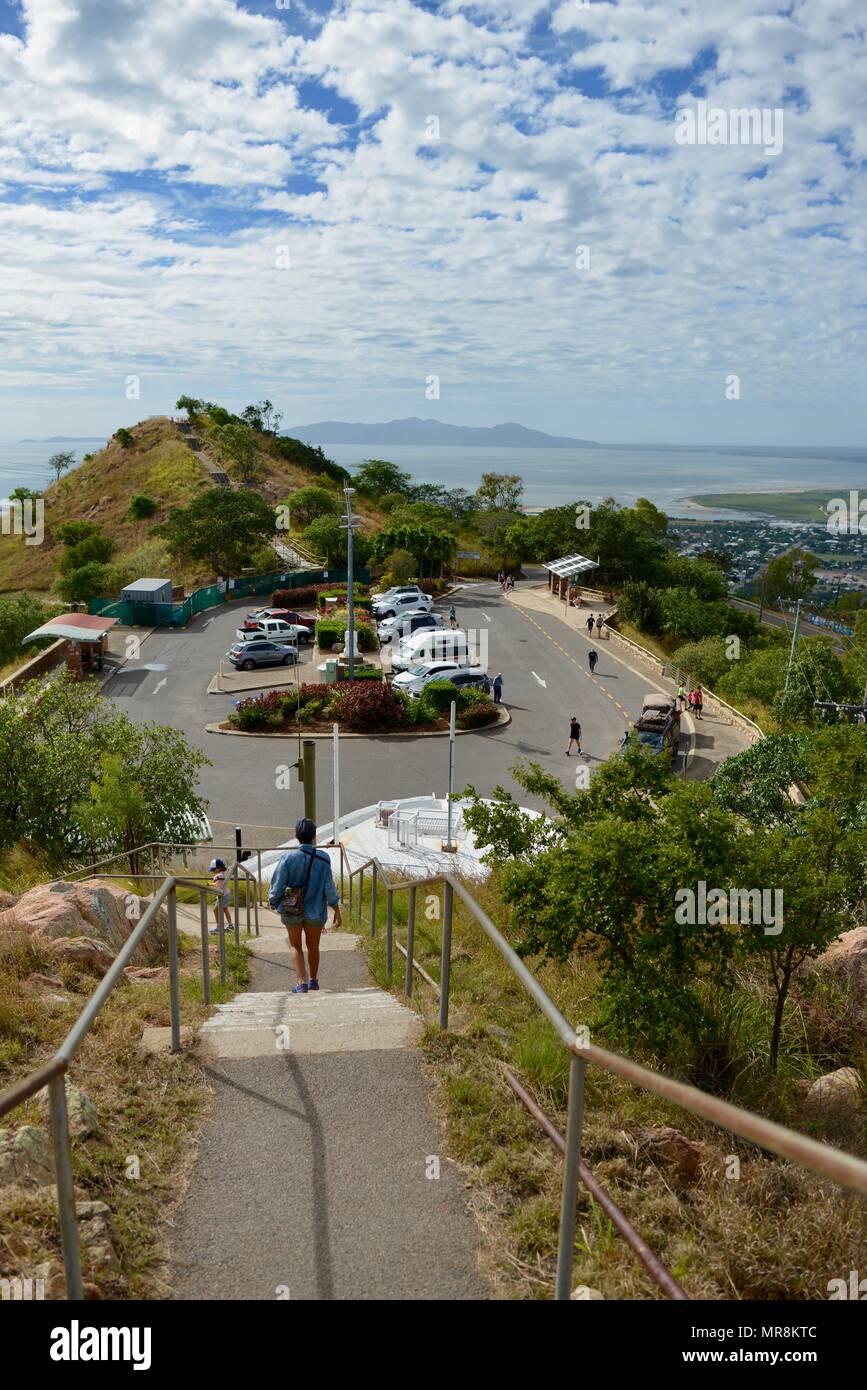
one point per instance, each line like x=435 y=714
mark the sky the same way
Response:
x=477 y=212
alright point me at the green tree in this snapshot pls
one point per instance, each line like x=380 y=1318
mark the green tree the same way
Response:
x=219 y=526
x=401 y=565
x=307 y=503
x=71 y=532
x=326 y=538
x=236 y=448
x=192 y=405
x=641 y=605
x=500 y=492
x=86 y=582
x=706 y=660
x=790 y=576
x=61 y=463
x=20 y=614
x=24 y=494
x=124 y=438
x=93 y=550
x=430 y=549
x=262 y=417
x=376 y=477
x=306 y=456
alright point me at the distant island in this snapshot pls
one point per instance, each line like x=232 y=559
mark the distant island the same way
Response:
x=416 y=431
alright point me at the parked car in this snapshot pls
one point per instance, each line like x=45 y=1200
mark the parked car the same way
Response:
x=244 y=656
x=393 y=592
x=413 y=681
x=426 y=645
x=276 y=630
x=658 y=726
x=474 y=677
x=403 y=603
x=405 y=624
x=288 y=615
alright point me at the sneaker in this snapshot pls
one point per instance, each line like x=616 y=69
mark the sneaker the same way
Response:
x=300 y=989
x=312 y=984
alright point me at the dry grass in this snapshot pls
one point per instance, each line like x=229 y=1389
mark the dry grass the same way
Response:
x=150 y=1111
x=773 y=1232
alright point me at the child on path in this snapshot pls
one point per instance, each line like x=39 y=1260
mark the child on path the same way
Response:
x=224 y=894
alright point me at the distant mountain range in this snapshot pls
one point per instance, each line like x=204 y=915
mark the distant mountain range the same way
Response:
x=416 y=431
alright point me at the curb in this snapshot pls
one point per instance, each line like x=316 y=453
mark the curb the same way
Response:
x=504 y=719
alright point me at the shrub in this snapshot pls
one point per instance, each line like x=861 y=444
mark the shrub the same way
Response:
x=705 y=660
x=367 y=705
x=124 y=438
x=477 y=715
x=260 y=711
x=330 y=633
x=437 y=697
x=141 y=507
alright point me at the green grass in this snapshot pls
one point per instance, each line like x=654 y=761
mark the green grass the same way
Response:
x=806 y=505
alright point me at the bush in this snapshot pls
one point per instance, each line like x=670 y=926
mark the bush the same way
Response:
x=477 y=715
x=141 y=507
x=260 y=711
x=640 y=604
x=437 y=698
x=308 y=503
x=705 y=661
x=367 y=705
x=124 y=438
x=330 y=633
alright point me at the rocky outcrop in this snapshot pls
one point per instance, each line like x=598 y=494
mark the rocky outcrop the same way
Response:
x=58 y=914
x=26 y=1157
x=667 y=1148
x=846 y=958
x=836 y=1092
x=81 y=1113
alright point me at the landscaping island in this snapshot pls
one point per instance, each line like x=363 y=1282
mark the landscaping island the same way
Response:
x=366 y=707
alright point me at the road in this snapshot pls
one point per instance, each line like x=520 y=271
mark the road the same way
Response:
x=773 y=618
x=545 y=681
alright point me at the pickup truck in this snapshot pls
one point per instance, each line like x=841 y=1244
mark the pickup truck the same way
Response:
x=276 y=630
x=288 y=615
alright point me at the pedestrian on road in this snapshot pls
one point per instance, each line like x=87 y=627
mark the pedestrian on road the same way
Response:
x=697 y=701
x=498 y=687
x=574 y=735
x=224 y=895
x=681 y=696
x=590 y=626
x=599 y=621
x=452 y=616
x=301 y=887
x=592 y=657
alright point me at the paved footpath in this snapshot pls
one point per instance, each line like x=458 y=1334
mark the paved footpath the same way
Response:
x=310 y=1181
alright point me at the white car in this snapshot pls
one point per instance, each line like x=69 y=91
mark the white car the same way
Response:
x=403 y=603
x=393 y=592
x=413 y=681
x=405 y=624
x=429 y=645
x=275 y=630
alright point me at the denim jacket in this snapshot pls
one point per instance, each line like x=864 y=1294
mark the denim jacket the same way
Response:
x=291 y=873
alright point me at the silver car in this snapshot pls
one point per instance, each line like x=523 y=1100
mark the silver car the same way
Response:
x=244 y=656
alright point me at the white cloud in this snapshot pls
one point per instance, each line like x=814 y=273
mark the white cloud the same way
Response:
x=456 y=255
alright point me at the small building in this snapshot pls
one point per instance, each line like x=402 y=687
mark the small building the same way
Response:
x=86 y=636
x=147 y=591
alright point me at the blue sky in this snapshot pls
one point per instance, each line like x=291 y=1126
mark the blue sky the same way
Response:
x=333 y=204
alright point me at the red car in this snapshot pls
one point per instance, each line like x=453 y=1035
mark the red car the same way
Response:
x=252 y=620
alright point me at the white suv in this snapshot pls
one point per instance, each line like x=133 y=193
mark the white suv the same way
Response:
x=414 y=602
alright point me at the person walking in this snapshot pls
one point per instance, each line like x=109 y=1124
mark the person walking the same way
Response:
x=592 y=658
x=681 y=696
x=599 y=622
x=698 y=701
x=590 y=626
x=224 y=895
x=574 y=735
x=498 y=687
x=301 y=887
x=452 y=616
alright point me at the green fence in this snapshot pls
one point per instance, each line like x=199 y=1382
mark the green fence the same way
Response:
x=179 y=614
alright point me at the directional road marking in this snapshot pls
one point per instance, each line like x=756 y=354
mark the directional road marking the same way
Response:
x=539 y=679
x=163 y=682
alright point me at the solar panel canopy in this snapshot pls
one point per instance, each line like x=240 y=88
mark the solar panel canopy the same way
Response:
x=571 y=564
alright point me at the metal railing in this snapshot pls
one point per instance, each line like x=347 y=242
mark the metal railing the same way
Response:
x=822 y=1159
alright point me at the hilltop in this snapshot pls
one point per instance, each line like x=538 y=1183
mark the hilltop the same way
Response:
x=416 y=431
x=155 y=461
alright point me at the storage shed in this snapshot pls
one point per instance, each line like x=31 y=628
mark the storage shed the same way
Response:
x=147 y=591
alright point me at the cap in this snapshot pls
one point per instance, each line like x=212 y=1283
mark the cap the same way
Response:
x=216 y=864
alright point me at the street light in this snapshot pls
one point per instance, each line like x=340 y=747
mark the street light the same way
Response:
x=350 y=521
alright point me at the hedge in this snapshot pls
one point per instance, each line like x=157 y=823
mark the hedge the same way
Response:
x=330 y=633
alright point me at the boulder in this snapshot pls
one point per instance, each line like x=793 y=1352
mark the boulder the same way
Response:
x=92 y=909
x=584 y=1293
x=836 y=1091
x=83 y=952
x=847 y=959
x=668 y=1148
x=52 y=981
x=26 y=1157
x=97 y=1233
x=81 y=1112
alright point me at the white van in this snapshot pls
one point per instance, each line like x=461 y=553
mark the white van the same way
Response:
x=433 y=644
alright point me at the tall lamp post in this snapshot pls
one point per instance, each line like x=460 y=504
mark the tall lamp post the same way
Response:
x=350 y=521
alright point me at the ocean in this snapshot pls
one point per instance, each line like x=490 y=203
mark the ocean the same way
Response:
x=667 y=476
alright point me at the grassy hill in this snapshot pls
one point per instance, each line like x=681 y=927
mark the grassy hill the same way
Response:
x=160 y=464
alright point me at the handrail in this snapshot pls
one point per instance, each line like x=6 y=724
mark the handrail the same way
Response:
x=822 y=1159
x=53 y=1072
